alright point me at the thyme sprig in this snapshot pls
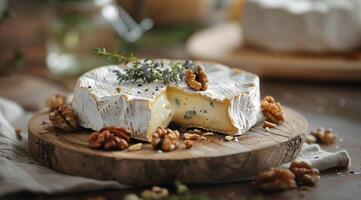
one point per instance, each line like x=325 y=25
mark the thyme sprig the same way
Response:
x=146 y=70
x=115 y=56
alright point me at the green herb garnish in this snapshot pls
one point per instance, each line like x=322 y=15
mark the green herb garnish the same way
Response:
x=146 y=70
x=116 y=56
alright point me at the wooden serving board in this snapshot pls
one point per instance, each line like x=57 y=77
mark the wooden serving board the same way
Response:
x=224 y=43
x=211 y=161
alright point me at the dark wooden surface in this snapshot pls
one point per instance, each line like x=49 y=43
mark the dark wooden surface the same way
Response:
x=335 y=105
x=219 y=160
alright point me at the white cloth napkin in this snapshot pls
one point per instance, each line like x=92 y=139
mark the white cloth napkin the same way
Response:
x=19 y=172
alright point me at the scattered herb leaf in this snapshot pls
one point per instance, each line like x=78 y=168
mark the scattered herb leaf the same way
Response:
x=115 y=56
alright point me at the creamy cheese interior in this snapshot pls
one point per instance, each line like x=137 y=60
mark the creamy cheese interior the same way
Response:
x=191 y=110
x=161 y=114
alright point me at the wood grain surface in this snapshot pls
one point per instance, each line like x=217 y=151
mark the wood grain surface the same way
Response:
x=211 y=161
x=224 y=43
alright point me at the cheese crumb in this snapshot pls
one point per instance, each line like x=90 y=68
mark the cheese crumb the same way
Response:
x=208 y=134
x=228 y=138
x=135 y=147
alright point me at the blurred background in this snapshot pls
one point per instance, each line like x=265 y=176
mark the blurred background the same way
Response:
x=56 y=38
x=306 y=52
x=46 y=45
x=61 y=34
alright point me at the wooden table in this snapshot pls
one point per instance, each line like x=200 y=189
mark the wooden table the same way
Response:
x=335 y=105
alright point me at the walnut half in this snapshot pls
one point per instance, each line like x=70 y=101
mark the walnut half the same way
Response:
x=272 y=110
x=197 y=80
x=63 y=118
x=165 y=139
x=305 y=174
x=324 y=136
x=275 y=179
x=110 y=138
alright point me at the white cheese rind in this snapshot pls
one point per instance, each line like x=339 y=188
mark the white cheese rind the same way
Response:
x=303 y=25
x=100 y=101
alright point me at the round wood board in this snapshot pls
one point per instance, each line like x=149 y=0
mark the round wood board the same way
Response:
x=210 y=161
x=224 y=43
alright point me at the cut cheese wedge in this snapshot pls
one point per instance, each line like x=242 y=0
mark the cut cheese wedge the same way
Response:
x=230 y=105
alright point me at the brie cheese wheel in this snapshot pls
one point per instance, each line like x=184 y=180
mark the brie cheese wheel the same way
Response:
x=303 y=25
x=231 y=105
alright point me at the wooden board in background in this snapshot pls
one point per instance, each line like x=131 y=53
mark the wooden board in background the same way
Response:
x=29 y=91
x=224 y=43
x=212 y=161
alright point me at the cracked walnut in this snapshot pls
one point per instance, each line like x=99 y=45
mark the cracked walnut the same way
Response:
x=272 y=110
